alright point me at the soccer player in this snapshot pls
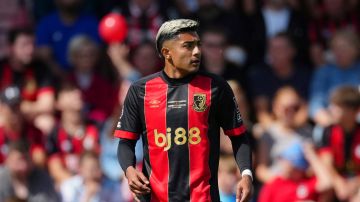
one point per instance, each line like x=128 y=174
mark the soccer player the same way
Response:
x=178 y=112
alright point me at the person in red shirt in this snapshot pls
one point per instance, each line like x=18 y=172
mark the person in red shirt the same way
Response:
x=293 y=184
x=72 y=135
x=31 y=76
x=341 y=143
x=14 y=128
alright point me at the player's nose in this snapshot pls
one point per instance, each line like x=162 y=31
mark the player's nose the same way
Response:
x=197 y=51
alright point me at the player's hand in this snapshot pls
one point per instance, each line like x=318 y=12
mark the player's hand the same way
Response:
x=137 y=181
x=243 y=189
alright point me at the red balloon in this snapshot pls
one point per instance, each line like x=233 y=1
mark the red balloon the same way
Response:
x=113 y=28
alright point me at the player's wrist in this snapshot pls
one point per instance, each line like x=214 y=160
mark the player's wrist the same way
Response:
x=129 y=170
x=247 y=172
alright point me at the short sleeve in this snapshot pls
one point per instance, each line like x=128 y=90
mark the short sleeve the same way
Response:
x=129 y=125
x=229 y=115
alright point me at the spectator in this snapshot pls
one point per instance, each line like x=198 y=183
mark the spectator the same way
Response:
x=29 y=75
x=225 y=15
x=341 y=143
x=14 y=128
x=56 y=30
x=13 y=14
x=228 y=176
x=332 y=16
x=289 y=125
x=144 y=18
x=144 y=61
x=19 y=179
x=71 y=136
x=89 y=185
x=214 y=45
x=344 y=71
x=281 y=71
x=275 y=17
x=145 y=58
x=292 y=184
x=83 y=56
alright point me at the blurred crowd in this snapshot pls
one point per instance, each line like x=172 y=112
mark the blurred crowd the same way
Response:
x=293 y=66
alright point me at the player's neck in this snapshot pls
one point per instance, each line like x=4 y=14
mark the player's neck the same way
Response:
x=175 y=73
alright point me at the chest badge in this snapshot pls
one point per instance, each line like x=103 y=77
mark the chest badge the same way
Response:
x=199 y=102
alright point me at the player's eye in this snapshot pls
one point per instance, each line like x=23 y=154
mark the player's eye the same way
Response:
x=188 y=45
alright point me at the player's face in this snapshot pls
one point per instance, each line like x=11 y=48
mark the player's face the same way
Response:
x=185 y=52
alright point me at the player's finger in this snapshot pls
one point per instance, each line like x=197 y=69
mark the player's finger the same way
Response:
x=137 y=192
x=144 y=181
x=143 y=178
x=245 y=195
x=238 y=193
x=135 y=184
x=136 y=198
x=139 y=186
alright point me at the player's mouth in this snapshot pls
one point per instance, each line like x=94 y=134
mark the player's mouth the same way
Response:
x=195 y=62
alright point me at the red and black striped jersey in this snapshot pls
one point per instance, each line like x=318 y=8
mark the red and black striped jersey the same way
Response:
x=179 y=121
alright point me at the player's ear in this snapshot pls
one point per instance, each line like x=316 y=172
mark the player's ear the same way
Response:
x=165 y=52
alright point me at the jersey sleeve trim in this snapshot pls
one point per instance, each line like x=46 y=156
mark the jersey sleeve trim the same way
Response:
x=126 y=135
x=235 y=131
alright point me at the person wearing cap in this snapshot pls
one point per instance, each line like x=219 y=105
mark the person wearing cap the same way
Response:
x=14 y=128
x=293 y=181
x=178 y=113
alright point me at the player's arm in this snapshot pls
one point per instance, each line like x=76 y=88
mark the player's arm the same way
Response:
x=128 y=130
x=231 y=121
x=138 y=183
x=242 y=153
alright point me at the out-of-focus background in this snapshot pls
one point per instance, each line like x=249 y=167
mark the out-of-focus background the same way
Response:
x=293 y=66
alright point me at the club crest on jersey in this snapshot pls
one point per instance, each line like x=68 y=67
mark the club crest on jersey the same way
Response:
x=199 y=102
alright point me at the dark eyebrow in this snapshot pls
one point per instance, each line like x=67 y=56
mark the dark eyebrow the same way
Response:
x=192 y=42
